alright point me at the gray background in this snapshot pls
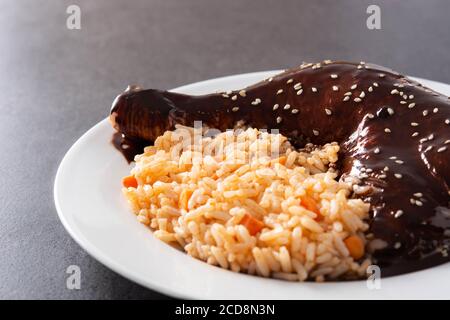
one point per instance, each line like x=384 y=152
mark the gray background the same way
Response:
x=56 y=83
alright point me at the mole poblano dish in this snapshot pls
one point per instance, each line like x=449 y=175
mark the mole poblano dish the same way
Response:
x=313 y=174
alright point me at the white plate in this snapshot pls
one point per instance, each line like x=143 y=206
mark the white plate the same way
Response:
x=91 y=207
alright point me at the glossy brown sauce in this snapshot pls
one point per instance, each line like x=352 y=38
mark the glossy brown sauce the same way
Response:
x=128 y=147
x=394 y=136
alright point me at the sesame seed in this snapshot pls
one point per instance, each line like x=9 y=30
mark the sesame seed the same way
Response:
x=328 y=111
x=289 y=81
x=411 y=96
x=279 y=119
x=431 y=137
x=381 y=75
x=405 y=96
x=428 y=148
x=287 y=106
x=370 y=116
x=362 y=94
x=397 y=245
x=370 y=89
x=418 y=194
x=382 y=176
x=398 y=175
x=442 y=149
x=276 y=106
x=415 y=134
x=242 y=93
x=447 y=121
x=353 y=87
x=360 y=67
x=294 y=111
x=357 y=100
x=334 y=76
x=423 y=140
x=411 y=105
x=395 y=91
x=270 y=79
x=393 y=158
x=377 y=150
x=399 y=161
x=386 y=168
x=234 y=98
x=387 y=130
x=403 y=102
x=419 y=203
x=348 y=93
x=314 y=89
x=225 y=95
x=447 y=142
x=297 y=86
x=390 y=111
x=414 y=124
x=235 y=109
x=256 y=101
x=375 y=84
x=346 y=98
x=299 y=92
x=335 y=88
x=398 y=213
x=316 y=132
x=425 y=113
x=280 y=91
x=435 y=110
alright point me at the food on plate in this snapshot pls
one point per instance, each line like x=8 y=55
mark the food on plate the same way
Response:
x=374 y=143
x=290 y=219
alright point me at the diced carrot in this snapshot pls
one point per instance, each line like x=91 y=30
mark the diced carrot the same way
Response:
x=310 y=204
x=130 y=182
x=281 y=160
x=184 y=198
x=355 y=246
x=253 y=225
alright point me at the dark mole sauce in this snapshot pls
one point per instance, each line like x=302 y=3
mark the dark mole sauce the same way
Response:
x=394 y=137
x=128 y=147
